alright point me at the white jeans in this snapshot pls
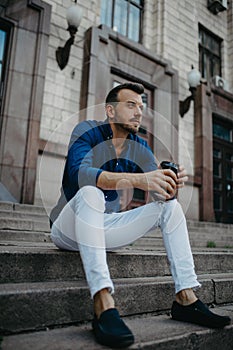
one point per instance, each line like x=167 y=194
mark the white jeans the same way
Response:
x=82 y=225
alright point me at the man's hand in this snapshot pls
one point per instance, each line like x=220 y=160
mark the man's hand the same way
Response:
x=165 y=182
x=182 y=177
x=162 y=181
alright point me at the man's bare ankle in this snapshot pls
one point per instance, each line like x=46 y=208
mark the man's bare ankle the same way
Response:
x=103 y=301
x=186 y=297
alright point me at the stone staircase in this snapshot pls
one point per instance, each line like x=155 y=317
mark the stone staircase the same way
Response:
x=45 y=302
x=202 y=235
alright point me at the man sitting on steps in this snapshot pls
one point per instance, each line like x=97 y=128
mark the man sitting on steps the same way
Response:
x=103 y=158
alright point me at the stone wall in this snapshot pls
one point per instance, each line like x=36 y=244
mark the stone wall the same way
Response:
x=62 y=88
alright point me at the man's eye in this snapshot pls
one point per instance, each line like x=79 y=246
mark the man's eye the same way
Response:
x=131 y=104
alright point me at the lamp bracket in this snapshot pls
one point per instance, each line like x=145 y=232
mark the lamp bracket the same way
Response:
x=72 y=30
x=185 y=105
x=62 y=53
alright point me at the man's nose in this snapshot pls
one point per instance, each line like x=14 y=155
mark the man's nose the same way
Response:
x=138 y=111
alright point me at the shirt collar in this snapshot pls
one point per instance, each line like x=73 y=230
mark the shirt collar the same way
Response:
x=107 y=131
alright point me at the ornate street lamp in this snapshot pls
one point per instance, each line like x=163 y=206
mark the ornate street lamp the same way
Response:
x=73 y=17
x=194 y=77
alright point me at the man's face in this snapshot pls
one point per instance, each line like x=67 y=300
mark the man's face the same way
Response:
x=127 y=114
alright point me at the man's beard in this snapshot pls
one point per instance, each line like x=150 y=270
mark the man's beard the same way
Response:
x=127 y=127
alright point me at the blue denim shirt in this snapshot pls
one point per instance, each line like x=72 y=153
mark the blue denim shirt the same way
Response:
x=91 y=151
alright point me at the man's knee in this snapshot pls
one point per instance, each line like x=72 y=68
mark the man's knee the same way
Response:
x=173 y=215
x=91 y=196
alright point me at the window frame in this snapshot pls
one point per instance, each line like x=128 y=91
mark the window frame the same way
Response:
x=141 y=11
x=210 y=54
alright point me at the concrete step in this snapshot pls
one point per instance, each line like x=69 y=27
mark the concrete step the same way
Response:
x=10 y=236
x=23 y=215
x=30 y=306
x=24 y=224
x=199 y=237
x=35 y=264
x=31 y=218
x=152 y=332
x=213 y=227
x=203 y=228
x=196 y=240
x=27 y=208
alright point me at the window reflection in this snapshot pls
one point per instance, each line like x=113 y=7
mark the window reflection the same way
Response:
x=134 y=23
x=2 y=49
x=222 y=132
x=230 y=204
x=217 y=169
x=3 y=44
x=229 y=156
x=217 y=201
x=120 y=17
x=106 y=12
x=229 y=172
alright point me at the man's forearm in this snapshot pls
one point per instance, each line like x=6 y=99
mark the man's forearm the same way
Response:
x=111 y=181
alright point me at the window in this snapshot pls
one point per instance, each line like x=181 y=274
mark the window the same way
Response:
x=209 y=53
x=223 y=169
x=4 y=35
x=222 y=132
x=123 y=16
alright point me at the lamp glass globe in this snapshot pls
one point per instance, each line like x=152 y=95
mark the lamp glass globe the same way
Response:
x=74 y=16
x=194 y=77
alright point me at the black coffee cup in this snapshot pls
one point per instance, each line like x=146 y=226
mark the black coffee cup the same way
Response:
x=166 y=164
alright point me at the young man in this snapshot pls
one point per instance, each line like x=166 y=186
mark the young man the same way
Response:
x=104 y=158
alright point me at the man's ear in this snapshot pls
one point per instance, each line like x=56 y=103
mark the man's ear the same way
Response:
x=110 y=111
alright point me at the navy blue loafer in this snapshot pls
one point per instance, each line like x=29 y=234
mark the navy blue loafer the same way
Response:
x=110 y=330
x=200 y=314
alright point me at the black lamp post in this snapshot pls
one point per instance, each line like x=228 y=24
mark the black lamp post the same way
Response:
x=194 y=77
x=73 y=17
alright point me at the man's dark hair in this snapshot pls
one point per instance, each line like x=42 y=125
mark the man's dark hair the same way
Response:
x=112 y=96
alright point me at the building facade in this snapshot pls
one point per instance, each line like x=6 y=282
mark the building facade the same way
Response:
x=153 y=42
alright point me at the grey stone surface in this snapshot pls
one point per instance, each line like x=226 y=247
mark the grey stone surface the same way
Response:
x=28 y=306
x=200 y=234
x=151 y=332
x=47 y=263
x=14 y=237
x=42 y=286
x=23 y=224
x=31 y=216
x=26 y=208
x=223 y=289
